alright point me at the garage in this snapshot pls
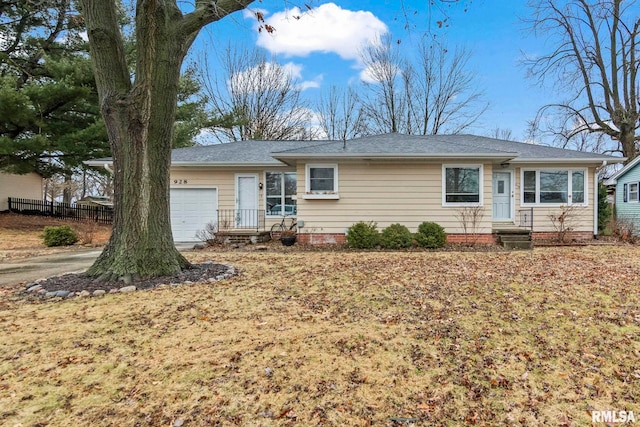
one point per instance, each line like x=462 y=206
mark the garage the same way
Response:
x=191 y=210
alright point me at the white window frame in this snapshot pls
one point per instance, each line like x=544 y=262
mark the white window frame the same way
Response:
x=569 y=201
x=480 y=168
x=321 y=194
x=282 y=195
x=637 y=192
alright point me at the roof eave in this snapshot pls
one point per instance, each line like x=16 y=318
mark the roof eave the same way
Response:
x=364 y=156
x=243 y=164
x=561 y=160
x=614 y=179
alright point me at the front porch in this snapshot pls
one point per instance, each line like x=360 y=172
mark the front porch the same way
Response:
x=515 y=234
x=241 y=226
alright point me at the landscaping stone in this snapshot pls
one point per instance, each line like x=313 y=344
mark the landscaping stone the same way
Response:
x=77 y=284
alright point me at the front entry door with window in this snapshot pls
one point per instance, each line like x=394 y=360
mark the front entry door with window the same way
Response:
x=246 y=201
x=502 y=196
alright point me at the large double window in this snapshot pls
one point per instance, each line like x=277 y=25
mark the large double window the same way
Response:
x=462 y=185
x=559 y=187
x=281 y=192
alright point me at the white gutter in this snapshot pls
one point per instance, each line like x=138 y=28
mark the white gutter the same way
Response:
x=384 y=156
x=560 y=160
x=596 y=202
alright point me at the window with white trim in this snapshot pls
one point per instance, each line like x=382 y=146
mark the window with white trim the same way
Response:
x=462 y=185
x=632 y=192
x=322 y=179
x=280 y=193
x=553 y=187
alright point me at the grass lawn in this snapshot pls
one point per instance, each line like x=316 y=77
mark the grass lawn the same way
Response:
x=535 y=338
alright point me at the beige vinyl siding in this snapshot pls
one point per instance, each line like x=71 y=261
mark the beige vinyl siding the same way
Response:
x=583 y=214
x=28 y=186
x=223 y=178
x=408 y=193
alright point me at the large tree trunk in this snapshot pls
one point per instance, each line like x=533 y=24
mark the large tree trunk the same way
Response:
x=139 y=117
x=139 y=122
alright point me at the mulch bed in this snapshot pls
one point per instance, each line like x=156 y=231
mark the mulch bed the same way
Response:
x=81 y=282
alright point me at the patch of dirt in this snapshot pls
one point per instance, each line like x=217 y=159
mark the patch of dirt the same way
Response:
x=81 y=282
x=25 y=231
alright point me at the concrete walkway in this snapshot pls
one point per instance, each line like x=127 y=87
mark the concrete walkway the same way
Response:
x=29 y=269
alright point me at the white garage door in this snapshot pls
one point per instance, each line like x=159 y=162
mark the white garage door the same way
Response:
x=191 y=210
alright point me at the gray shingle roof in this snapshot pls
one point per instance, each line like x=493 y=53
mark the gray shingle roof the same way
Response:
x=461 y=146
x=391 y=145
x=242 y=152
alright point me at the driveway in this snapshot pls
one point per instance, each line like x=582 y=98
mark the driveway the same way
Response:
x=30 y=269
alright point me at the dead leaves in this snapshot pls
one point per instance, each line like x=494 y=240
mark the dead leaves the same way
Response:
x=341 y=339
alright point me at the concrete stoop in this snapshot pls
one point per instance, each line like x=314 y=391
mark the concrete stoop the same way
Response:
x=242 y=236
x=514 y=238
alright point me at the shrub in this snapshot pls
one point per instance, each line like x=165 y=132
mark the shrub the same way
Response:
x=60 y=236
x=363 y=235
x=431 y=235
x=396 y=236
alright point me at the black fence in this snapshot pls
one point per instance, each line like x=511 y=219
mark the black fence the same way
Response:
x=102 y=214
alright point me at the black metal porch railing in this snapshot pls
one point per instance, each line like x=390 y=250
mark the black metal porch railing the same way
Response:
x=526 y=218
x=244 y=219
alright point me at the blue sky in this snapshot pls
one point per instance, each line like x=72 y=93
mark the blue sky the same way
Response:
x=322 y=47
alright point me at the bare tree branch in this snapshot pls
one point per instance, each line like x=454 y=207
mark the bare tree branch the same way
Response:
x=595 y=63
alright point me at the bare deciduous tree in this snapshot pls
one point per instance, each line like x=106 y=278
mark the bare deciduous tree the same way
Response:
x=594 y=61
x=254 y=98
x=431 y=94
x=383 y=102
x=500 y=133
x=340 y=115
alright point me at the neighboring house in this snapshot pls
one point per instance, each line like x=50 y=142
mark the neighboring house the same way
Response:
x=27 y=186
x=387 y=179
x=627 y=195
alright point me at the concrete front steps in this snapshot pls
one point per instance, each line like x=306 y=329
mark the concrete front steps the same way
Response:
x=514 y=238
x=242 y=236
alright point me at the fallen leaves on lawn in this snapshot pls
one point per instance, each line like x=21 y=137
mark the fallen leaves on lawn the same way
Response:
x=339 y=338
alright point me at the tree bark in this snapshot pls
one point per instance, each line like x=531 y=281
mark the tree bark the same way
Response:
x=139 y=117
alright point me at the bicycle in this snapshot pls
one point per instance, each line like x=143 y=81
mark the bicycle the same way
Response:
x=278 y=228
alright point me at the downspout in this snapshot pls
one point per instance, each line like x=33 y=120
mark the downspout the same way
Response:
x=596 y=176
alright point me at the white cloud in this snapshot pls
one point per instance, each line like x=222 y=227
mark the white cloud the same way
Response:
x=271 y=75
x=295 y=71
x=327 y=28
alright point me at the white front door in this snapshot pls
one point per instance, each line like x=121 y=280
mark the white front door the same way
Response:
x=246 y=201
x=502 y=196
